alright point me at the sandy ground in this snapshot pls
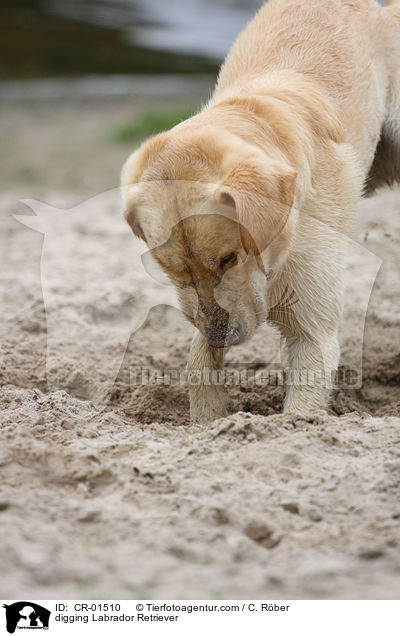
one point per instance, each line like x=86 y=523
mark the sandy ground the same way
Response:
x=106 y=491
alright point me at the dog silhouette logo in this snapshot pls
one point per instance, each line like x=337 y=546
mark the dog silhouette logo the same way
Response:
x=26 y=615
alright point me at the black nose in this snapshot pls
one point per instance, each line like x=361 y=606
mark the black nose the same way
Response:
x=219 y=339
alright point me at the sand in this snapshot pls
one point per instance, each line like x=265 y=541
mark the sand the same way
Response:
x=106 y=490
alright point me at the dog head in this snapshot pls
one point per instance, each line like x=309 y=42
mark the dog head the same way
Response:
x=217 y=215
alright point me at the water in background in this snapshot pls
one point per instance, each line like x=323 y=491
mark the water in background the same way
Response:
x=50 y=38
x=200 y=27
x=57 y=48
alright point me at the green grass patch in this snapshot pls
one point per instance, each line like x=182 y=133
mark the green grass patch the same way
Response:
x=150 y=122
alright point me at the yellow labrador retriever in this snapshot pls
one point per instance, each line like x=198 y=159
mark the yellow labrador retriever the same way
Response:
x=245 y=204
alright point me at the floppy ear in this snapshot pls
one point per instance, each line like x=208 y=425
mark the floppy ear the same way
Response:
x=131 y=197
x=131 y=173
x=262 y=195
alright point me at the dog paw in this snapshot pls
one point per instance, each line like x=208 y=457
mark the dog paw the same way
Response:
x=296 y=418
x=207 y=405
x=207 y=417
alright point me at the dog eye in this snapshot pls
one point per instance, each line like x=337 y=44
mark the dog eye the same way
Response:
x=227 y=259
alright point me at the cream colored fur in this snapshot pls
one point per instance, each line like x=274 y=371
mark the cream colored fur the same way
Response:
x=305 y=117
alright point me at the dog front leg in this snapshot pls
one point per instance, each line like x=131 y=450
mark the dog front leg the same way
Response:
x=208 y=398
x=313 y=364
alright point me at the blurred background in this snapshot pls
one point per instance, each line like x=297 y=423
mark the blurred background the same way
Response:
x=83 y=81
